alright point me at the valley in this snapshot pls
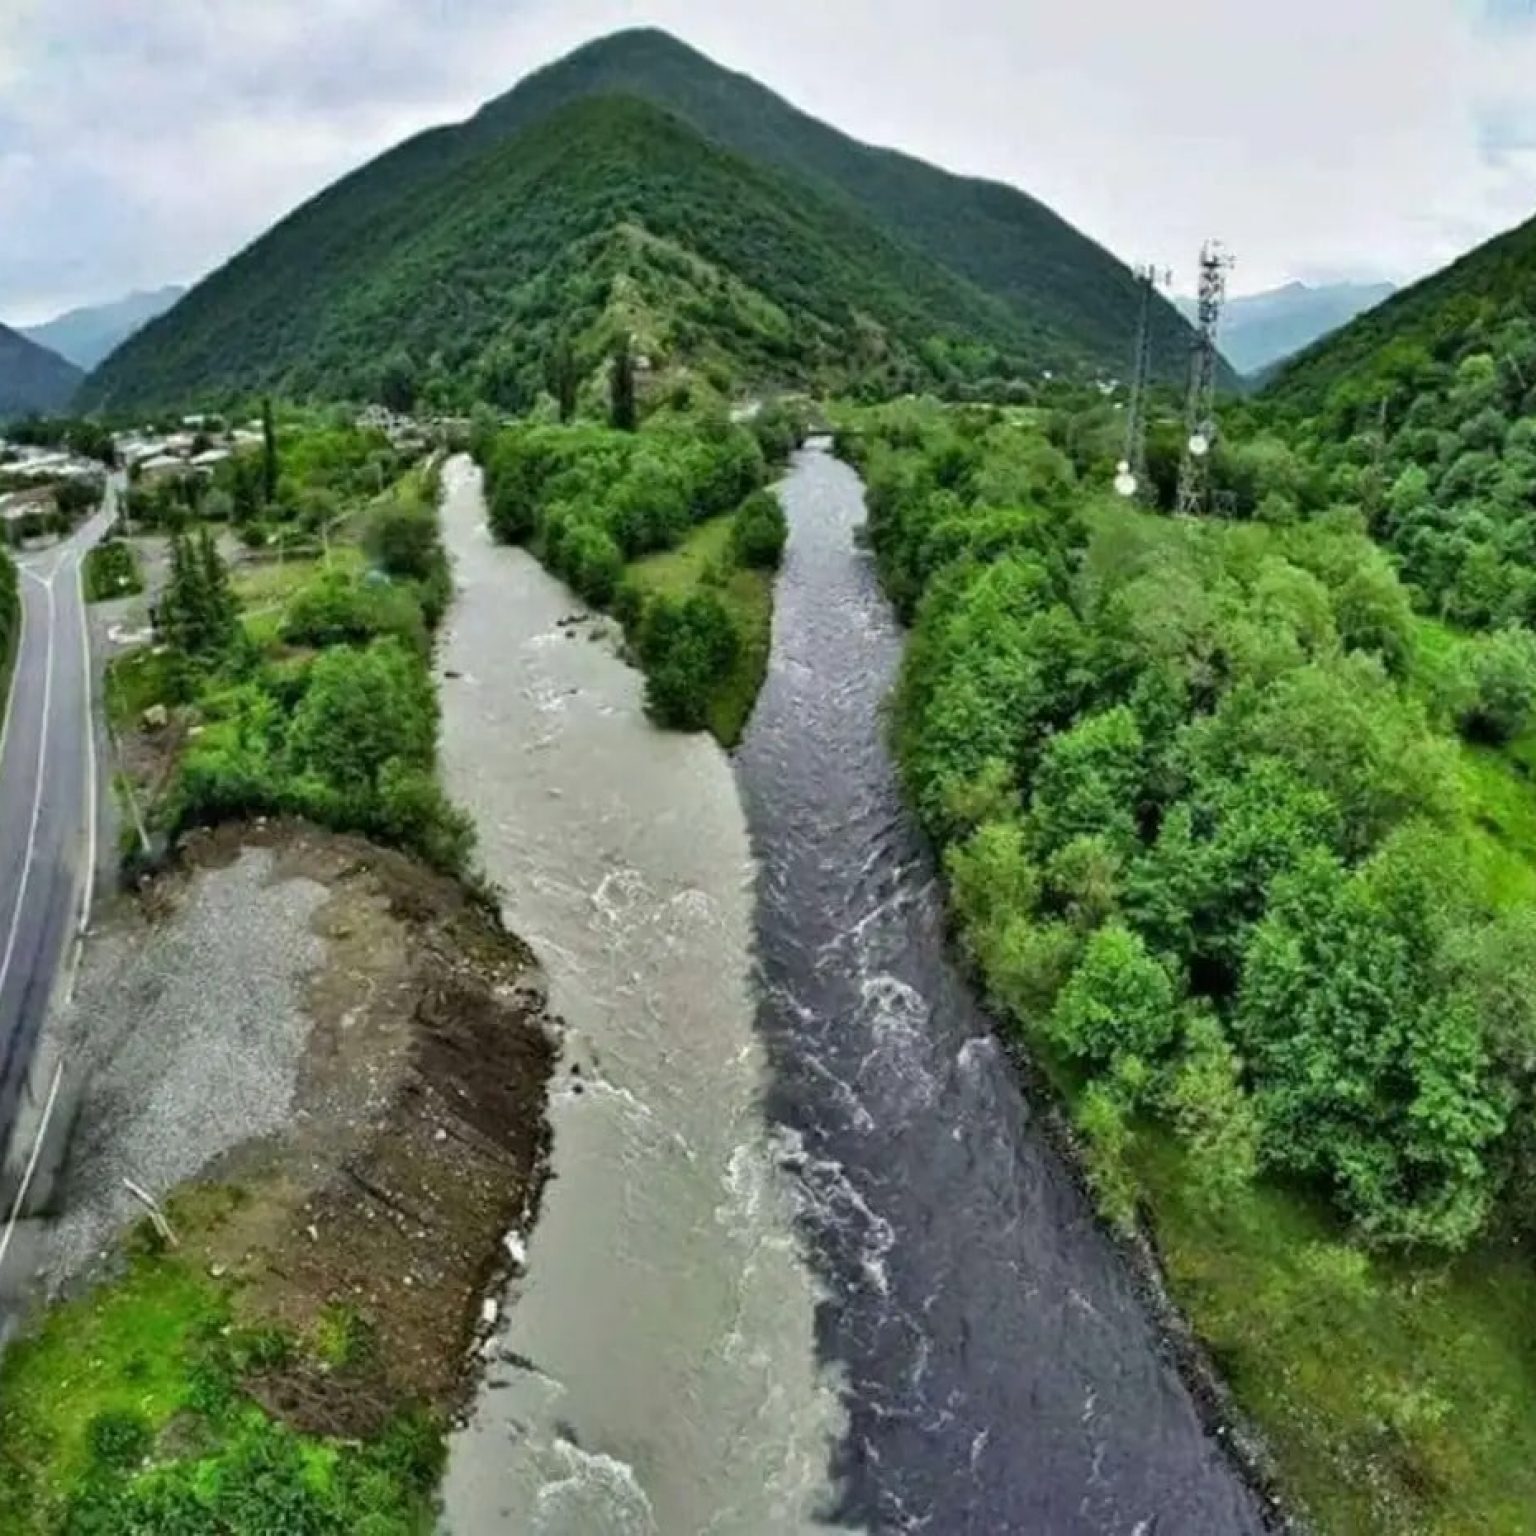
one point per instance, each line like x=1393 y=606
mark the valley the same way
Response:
x=670 y=865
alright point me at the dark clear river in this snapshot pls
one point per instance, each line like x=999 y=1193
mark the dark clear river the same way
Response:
x=997 y=1370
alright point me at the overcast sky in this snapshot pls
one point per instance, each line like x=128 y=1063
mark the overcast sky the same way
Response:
x=145 y=141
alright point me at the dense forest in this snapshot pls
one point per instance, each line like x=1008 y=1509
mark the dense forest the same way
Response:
x=608 y=217
x=1077 y=302
x=1231 y=836
x=668 y=527
x=637 y=186
x=1420 y=415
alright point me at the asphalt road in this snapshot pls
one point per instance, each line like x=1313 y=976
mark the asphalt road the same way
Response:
x=47 y=802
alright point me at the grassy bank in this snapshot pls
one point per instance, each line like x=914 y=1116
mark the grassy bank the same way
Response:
x=128 y=1411
x=1398 y=1395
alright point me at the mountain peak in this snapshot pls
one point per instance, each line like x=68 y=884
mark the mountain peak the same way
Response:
x=458 y=254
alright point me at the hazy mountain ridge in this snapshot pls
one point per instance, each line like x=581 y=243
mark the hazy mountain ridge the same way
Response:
x=1430 y=322
x=1259 y=330
x=85 y=336
x=32 y=378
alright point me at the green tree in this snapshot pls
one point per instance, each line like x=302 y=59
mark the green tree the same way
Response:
x=687 y=645
x=623 y=411
x=760 y=531
x=1120 y=1001
x=1501 y=678
x=362 y=710
x=269 y=461
x=1360 y=1027
x=1212 y=1111
x=564 y=377
x=197 y=615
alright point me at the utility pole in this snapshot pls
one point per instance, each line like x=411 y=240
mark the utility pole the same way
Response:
x=1131 y=472
x=1200 y=411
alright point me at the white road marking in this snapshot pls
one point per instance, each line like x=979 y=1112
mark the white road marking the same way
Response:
x=90 y=872
x=90 y=749
x=37 y=798
x=32 y=1162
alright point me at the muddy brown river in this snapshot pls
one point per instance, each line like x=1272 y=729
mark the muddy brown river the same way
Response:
x=657 y=1369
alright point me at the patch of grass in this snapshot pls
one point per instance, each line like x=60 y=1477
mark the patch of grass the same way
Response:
x=1400 y=1396
x=136 y=680
x=124 y=1411
x=111 y=570
x=122 y=1350
x=704 y=559
x=264 y=583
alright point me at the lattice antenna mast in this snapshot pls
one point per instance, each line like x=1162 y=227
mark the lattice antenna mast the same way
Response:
x=1200 y=412
x=1131 y=473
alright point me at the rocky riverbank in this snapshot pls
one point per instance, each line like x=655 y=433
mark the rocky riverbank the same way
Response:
x=331 y=1065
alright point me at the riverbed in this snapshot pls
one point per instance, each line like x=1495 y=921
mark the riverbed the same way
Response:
x=1001 y=1374
x=806 y=1259
x=656 y=1370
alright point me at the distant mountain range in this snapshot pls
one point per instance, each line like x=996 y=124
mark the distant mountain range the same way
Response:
x=86 y=336
x=1259 y=329
x=635 y=186
x=1409 y=343
x=33 y=379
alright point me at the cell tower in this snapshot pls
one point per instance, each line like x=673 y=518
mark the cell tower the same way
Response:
x=1200 y=413
x=1131 y=473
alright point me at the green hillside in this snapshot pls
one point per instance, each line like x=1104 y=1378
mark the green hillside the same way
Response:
x=772 y=246
x=1076 y=300
x=32 y=379
x=1404 y=345
x=607 y=213
x=1420 y=413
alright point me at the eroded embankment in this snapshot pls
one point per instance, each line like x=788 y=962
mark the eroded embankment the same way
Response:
x=352 y=1055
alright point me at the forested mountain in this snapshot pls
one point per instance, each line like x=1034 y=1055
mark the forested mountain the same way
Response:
x=1420 y=414
x=1259 y=329
x=31 y=377
x=608 y=216
x=1393 y=349
x=86 y=335
x=637 y=184
x=1076 y=299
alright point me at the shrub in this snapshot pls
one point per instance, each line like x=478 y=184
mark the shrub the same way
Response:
x=1500 y=674
x=760 y=532
x=1119 y=1001
x=338 y=607
x=119 y=1439
x=686 y=645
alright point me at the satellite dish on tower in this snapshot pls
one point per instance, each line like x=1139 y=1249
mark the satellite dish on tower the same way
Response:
x=1125 y=484
x=1199 y=445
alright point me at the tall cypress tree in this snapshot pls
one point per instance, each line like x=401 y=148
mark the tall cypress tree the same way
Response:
x=564 y=380
x=269 y=464
x=621 y=383
x=220 y=609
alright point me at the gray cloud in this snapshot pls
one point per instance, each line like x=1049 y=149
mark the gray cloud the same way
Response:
x=145 y=143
